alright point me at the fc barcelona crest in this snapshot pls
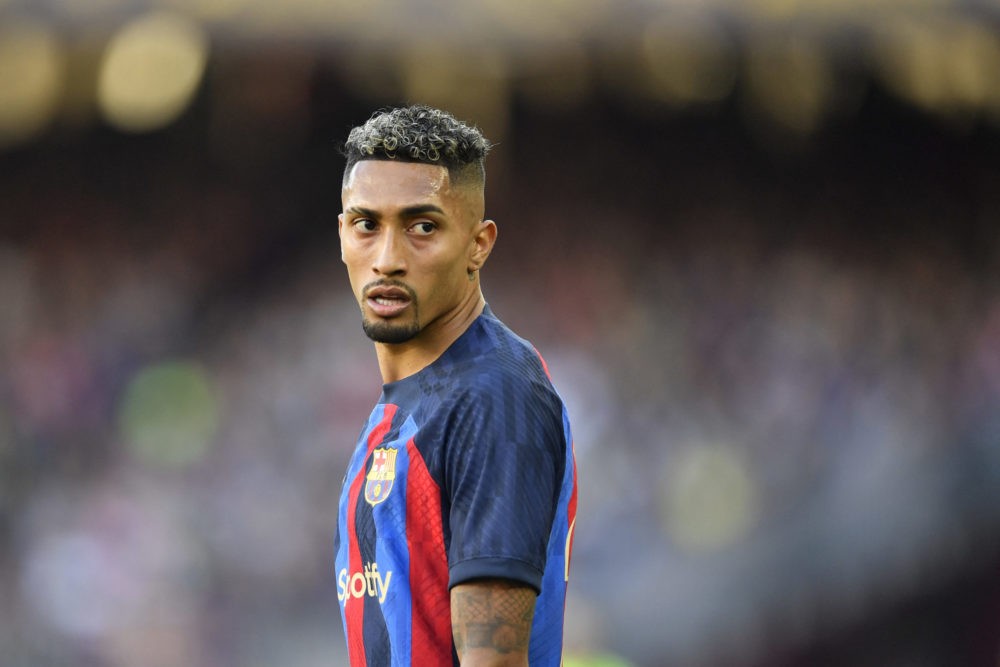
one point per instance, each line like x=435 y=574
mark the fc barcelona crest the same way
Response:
x=381 y=475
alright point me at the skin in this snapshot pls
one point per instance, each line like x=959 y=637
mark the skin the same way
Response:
x=491 y=622
x=412 y=236
x=407 y=225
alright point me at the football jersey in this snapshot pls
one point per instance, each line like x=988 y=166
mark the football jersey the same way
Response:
x=464 y=470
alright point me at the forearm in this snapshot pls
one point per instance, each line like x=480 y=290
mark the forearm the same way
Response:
x=491 y=623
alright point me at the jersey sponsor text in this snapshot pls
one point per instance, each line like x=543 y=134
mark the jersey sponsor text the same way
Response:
x=359 y=584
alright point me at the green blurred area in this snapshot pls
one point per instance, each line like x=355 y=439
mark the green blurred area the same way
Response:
x=169 y=414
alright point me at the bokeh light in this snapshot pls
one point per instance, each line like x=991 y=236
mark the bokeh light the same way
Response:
x=689 y=57
x=31 y=72
x=789 y=84
x=942 y=65
x=151 y=72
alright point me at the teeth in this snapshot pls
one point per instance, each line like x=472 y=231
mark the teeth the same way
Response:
x=386 y=300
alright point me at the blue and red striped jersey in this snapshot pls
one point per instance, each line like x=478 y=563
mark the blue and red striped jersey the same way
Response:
x=464 y=470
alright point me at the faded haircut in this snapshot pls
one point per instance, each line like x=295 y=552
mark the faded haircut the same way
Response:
x=421 y=134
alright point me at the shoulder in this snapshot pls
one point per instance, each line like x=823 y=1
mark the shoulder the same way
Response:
x=490 y=378
x=497 y=361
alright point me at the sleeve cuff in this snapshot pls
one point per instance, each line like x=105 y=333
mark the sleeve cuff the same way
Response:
x=495 y=568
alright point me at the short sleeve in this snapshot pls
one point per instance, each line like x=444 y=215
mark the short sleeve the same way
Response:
x=505 y=458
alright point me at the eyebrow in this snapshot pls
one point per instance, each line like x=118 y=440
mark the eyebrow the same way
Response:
x=408 y=212
x=411 y=211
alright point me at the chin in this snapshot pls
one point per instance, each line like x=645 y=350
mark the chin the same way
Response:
x=390 y=333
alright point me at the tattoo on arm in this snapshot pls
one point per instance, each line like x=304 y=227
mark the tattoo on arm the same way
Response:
x=494 y=615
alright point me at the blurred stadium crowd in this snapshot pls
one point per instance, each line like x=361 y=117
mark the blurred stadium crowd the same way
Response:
x=783 y=369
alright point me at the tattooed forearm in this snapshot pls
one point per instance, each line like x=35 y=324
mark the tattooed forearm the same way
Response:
x=491 y=617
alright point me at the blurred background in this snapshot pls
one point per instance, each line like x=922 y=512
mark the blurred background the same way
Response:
x=757 y=242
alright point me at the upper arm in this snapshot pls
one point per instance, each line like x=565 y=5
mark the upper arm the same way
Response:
x=505 y=464
x=491 y=622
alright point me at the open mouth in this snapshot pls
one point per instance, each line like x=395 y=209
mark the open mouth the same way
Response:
x=387 y=300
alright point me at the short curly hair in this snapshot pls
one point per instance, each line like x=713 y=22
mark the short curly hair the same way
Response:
x=421 y=134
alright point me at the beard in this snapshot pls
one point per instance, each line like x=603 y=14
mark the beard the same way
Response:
x=390 y=332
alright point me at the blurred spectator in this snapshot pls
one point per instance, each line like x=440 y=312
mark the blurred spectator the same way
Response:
x=785 y=388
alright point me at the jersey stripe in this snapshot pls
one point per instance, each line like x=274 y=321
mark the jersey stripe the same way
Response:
x=378 y=650
x=354 y=608
x=571 y=509
x=392 y=555
x=431 y=623
x=342 y=544
x=546 y=645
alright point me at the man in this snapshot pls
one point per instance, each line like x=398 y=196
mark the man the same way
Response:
x=457 y=510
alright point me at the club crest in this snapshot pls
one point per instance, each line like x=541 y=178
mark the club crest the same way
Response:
x=381 y=475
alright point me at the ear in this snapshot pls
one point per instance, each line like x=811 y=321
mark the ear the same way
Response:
x=482 y=244
x=340 y=233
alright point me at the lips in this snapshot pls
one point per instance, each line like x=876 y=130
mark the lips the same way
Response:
x=387 y=300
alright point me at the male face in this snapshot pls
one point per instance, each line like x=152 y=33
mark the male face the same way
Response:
x=409 y=237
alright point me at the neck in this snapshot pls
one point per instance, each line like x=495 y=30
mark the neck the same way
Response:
x=402 y=360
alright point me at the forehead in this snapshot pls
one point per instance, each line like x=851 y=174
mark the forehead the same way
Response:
x=388 y=183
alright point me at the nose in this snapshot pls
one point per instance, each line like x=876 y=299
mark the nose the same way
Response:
x=390 y=255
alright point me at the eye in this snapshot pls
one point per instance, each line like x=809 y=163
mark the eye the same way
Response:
x=423 y=228
x=364 y=225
